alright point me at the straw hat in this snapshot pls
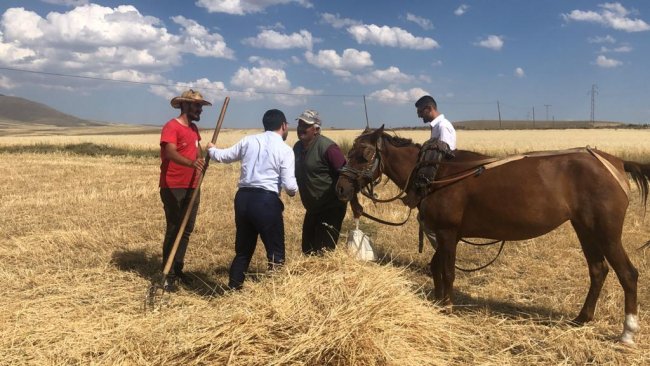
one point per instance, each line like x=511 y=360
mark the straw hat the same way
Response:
x=189 y=96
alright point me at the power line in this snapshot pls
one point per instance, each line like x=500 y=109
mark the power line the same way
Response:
x=173 y=84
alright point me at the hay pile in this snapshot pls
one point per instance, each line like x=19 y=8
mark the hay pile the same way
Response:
x=322 y=311
x=330 y=310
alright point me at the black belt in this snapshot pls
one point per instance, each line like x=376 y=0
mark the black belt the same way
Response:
x=257 y=190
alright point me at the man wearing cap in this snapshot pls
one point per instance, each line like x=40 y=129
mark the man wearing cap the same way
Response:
x=181 y=165
x=318 y=161
x=267 y=166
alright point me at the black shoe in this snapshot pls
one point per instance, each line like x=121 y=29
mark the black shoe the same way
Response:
x=184 y=278
x=170 y=284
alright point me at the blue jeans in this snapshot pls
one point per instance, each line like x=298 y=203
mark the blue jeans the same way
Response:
x=258 y=212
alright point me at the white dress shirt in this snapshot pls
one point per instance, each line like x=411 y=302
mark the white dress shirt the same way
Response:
x=267 y=162
x=442 y=129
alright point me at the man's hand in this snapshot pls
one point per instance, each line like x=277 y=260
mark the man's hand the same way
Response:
x=199 y=164
x=210 y=145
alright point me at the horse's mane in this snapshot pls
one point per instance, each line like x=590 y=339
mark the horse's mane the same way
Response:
x=400 y=141
x=392 y=139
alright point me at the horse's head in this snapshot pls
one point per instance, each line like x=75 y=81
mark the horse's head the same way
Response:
x=363 y=166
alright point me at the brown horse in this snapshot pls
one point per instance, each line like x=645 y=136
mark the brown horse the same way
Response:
x=515 y=200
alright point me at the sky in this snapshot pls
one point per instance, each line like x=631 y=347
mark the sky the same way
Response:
x=122 y=61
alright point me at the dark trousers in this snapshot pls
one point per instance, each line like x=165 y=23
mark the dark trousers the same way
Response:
x=258 y=212
x=320 y=229
x=175 y=202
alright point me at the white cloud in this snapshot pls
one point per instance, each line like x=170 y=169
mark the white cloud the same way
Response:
x=395 y=95
x=390 y=36
x=277 y=25
x=620 y=49
x=196 y=39
x=6 y=83
x=297 y=96
x=461 y=10
x=263 y=79
x=66 y=2
x=336 y=21
x=492 y=42
x=265 y=62
x=257 y=81
x=12 y=53
x=211 y=90
x=94 y=40
x=604 y=39
x=519 y=72
x=389 y=75
x=241 y=7
x=273 y=40
x=611 y=15
x=422 y=22
x=350 y=59
x=605 y=62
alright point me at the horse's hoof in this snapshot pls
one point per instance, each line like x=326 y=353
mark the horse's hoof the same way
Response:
x=630 y=328
x=576 y=322
x=579 y=321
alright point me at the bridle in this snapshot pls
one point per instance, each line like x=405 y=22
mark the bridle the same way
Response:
x=371 y=170
x=374 y=168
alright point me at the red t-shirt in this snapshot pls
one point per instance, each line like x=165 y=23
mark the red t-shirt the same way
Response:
x=186 y=139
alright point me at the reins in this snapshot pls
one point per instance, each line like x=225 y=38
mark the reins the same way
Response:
x=488 y=263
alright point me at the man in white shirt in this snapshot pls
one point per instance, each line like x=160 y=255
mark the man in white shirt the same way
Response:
x=441 y=144
x=267 y=166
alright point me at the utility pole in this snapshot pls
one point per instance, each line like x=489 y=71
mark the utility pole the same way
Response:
x=499 y=110
x=547 y=105
x=533 y=116
x=594 y=91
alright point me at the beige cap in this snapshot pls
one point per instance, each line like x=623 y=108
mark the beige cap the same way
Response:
x=310 y=117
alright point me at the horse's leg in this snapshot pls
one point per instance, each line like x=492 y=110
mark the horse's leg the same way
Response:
x=607 y=235
x=436 y=274
x=628 y=277
x=598 y=270
x=447 y=242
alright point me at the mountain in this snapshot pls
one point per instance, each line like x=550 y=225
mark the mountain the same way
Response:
x=24 y=111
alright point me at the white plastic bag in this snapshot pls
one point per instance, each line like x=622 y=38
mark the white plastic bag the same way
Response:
x=360 y=245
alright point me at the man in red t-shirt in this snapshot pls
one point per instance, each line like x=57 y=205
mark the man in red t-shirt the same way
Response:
x=180 y=153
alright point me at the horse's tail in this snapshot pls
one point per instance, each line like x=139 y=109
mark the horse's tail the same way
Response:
x=640 y=173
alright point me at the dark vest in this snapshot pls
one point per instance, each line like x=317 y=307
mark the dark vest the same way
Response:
x=316 y=180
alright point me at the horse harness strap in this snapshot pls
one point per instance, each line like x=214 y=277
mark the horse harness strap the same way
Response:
x=620 y=178
x=485 y=164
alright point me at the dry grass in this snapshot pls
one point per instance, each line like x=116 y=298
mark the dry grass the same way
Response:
x=81 y=238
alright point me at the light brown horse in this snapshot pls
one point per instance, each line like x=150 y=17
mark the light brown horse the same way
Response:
x=521 y=199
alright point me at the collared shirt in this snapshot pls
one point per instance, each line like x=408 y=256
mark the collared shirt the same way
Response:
x=442 y=129
x=267 y=162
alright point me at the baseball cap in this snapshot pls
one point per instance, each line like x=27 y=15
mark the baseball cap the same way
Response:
x=310 y=117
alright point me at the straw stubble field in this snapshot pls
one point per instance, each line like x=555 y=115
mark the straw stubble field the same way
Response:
x=81 y=237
